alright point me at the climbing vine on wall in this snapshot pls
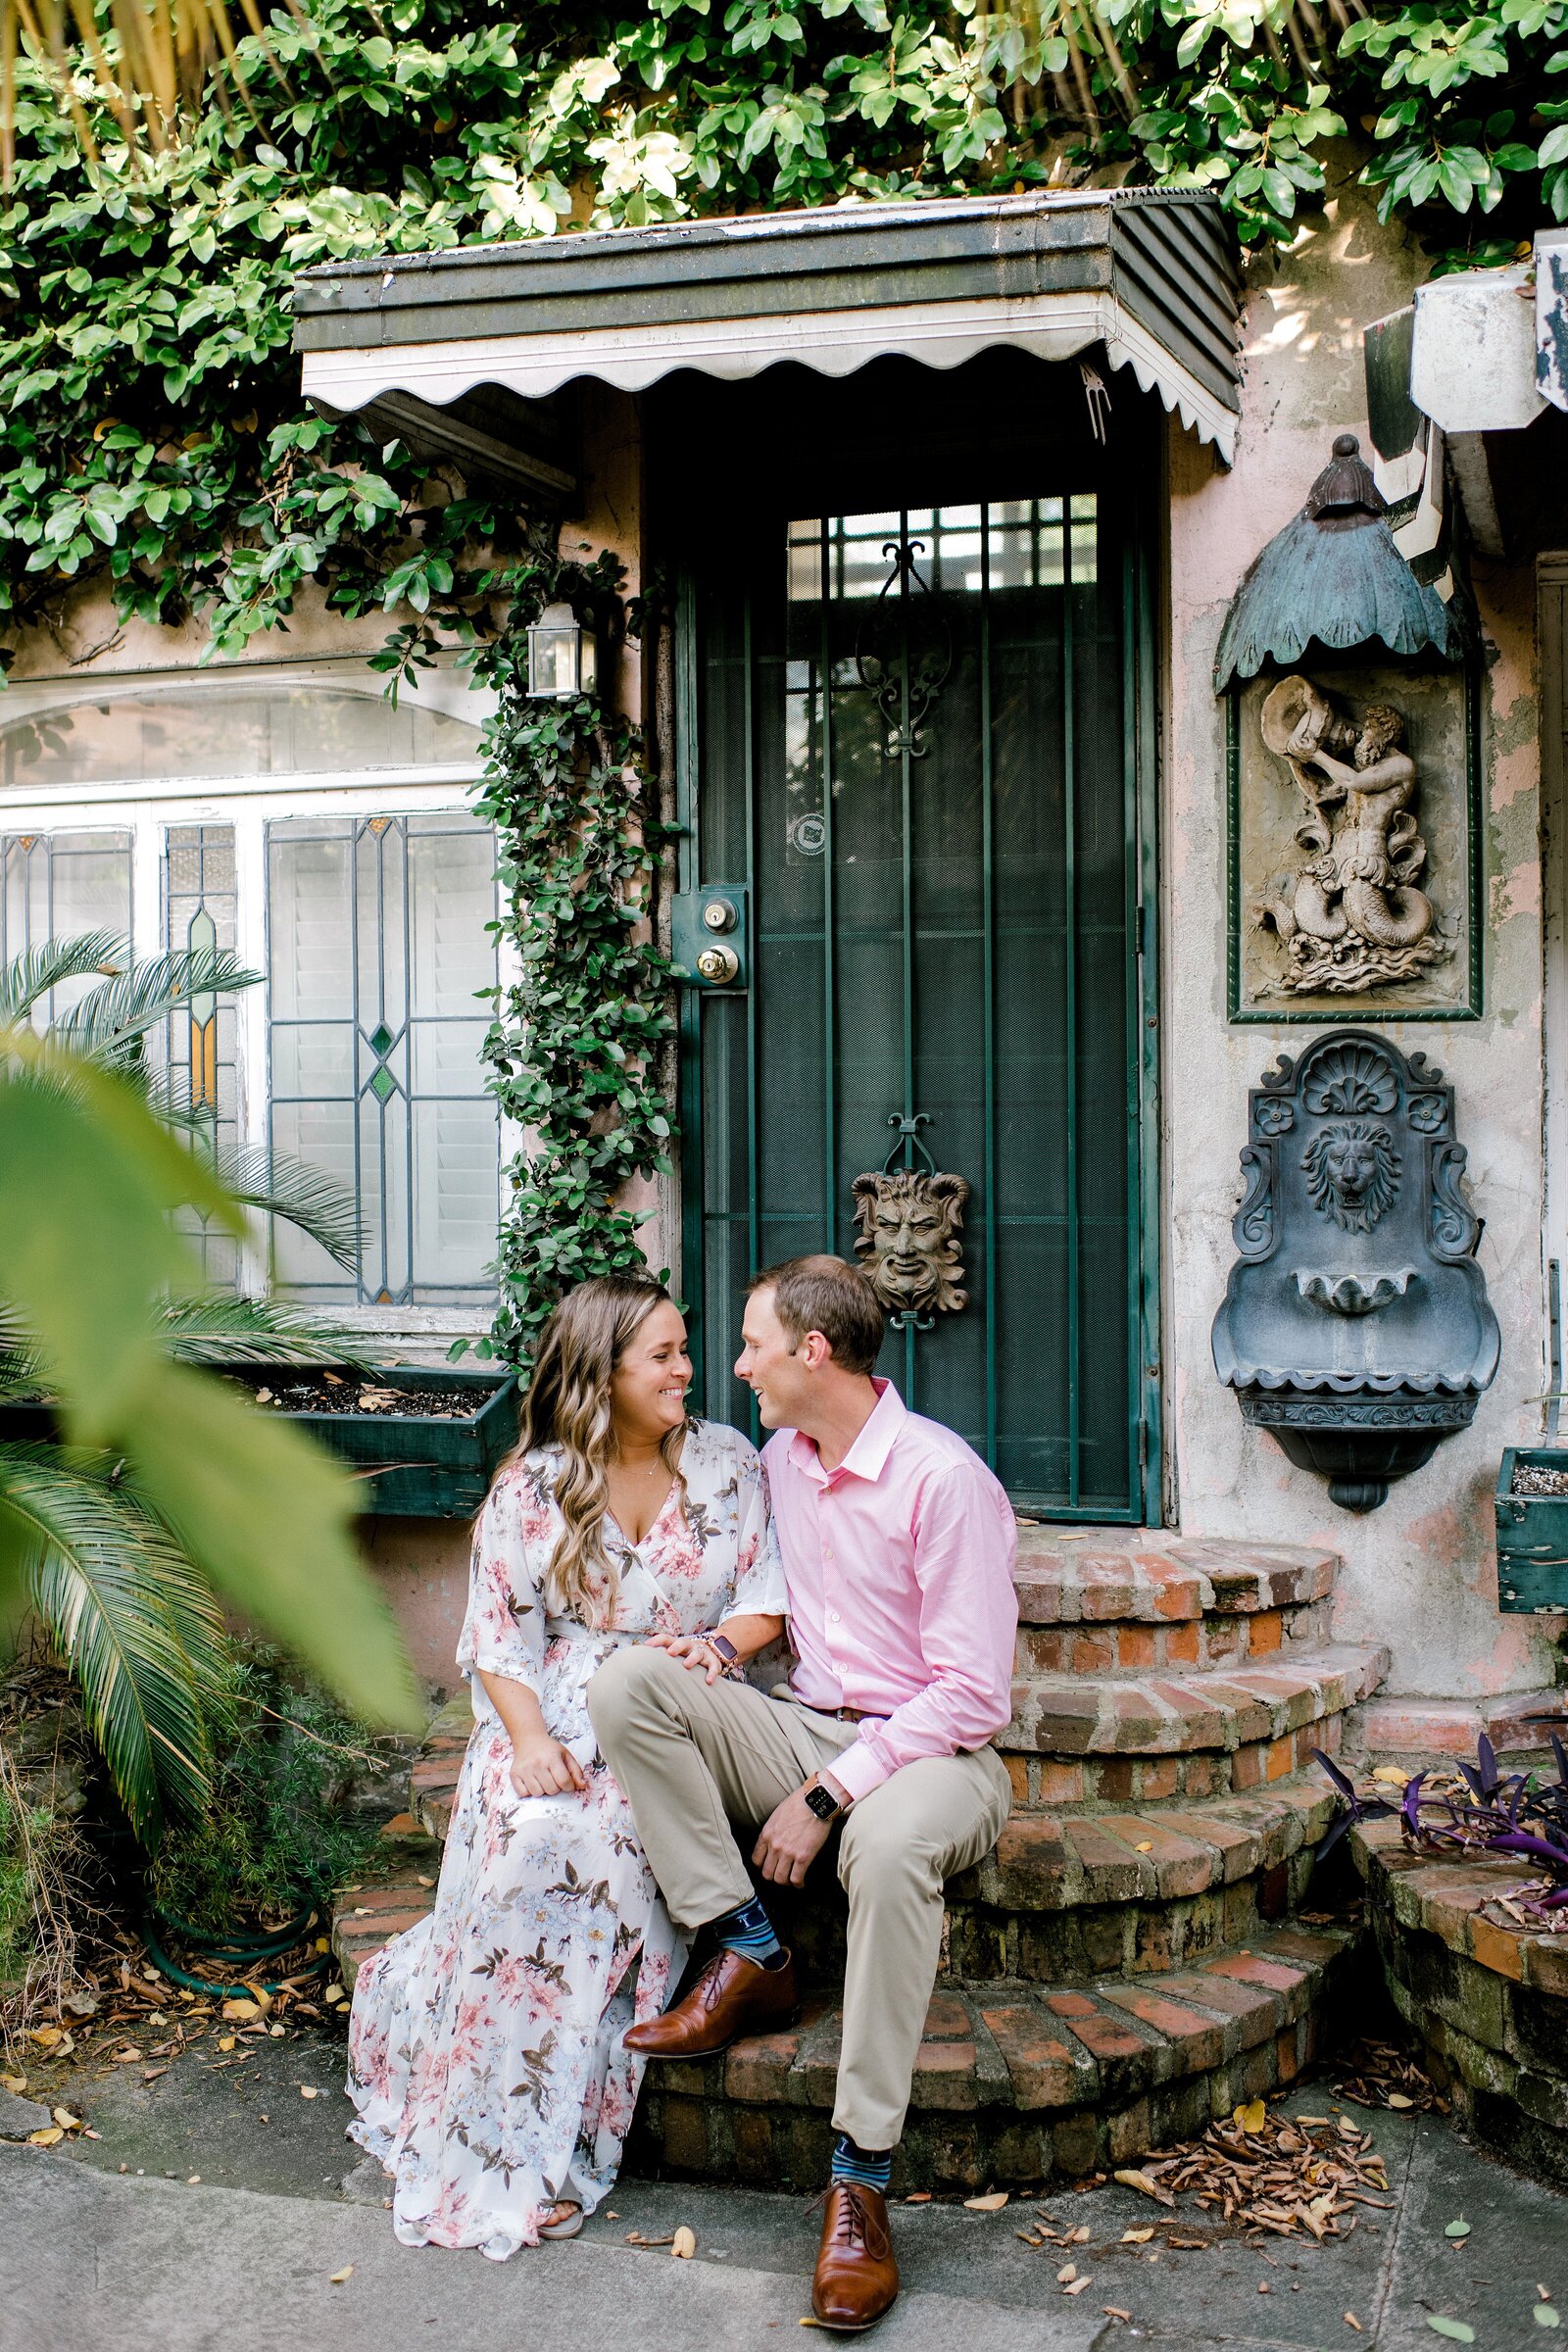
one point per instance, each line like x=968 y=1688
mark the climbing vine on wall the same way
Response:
x=575 y=1046
x=153 y=443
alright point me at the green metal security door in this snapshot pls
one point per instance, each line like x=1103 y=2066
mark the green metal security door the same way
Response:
x=912 y=745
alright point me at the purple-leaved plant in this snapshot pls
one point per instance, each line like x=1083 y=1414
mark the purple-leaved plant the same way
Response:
x=1517 y=1813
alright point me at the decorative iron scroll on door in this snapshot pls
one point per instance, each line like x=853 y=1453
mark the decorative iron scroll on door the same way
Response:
x=909 y=1221
x=904 y=682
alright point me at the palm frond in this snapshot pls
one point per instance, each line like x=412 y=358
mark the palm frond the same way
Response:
x=29 y=978
x=219 y=1330
x=110 y=1020
x=137 y=1626
x=276 y=1185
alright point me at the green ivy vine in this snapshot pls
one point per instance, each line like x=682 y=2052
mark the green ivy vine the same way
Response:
x=153 y=441
x=577 y=1044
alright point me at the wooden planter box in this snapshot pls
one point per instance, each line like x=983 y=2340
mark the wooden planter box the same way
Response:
x=1532 y=1535
x=410 y=1465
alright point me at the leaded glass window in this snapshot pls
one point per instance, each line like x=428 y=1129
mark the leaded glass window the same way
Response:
x=380 y=948
x=58 y=886
x=200 y=915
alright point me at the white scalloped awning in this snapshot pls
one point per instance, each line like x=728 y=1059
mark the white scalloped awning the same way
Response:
x=1149 y=275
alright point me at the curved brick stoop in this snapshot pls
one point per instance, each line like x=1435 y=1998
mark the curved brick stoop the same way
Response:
x=1489 y=2000
x=1127 y=1962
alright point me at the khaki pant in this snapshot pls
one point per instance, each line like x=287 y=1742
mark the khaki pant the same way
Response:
x=692 y=1757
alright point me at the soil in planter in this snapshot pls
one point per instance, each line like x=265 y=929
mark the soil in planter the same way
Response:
x=1534 y=1478
x=339 y=1392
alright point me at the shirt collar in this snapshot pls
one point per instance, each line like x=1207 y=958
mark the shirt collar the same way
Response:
x=867 y=1457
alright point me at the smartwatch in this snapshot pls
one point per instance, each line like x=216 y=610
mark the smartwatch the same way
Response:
x=823 y=1803
x=728 y=1656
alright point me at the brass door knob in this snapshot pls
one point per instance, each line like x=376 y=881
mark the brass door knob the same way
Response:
x=718 y=965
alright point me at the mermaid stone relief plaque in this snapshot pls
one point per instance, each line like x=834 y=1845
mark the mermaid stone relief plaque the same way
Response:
x=1351 y=884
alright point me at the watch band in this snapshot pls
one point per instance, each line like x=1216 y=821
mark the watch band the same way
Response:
x=725 y=1647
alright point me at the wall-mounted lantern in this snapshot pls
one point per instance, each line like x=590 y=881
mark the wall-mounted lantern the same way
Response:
x=563 y=655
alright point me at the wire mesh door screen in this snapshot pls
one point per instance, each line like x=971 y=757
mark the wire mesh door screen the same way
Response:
x=915 y=754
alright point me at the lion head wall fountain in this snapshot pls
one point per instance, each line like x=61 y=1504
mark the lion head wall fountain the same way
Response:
x=1356 y=1326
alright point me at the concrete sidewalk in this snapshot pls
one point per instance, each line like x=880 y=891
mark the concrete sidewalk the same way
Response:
x=144 y=2262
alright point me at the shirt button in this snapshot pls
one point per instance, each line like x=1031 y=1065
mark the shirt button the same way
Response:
x=833 y=1616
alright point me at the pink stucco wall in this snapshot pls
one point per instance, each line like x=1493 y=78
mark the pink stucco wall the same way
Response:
x=1420 y=1573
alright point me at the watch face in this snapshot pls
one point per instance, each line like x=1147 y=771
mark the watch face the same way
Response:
x=822 y=1804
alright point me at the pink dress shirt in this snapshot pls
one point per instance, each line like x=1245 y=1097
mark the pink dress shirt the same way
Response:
x=899 y=1565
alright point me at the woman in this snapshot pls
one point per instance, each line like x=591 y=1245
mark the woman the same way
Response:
x=485 y=2052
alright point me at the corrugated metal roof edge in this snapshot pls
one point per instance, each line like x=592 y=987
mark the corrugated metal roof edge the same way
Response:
x=718 y=230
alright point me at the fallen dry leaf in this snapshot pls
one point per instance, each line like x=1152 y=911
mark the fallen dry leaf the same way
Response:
x=919 y=2196
x=1113 y=2311
x=13 y=2082
x=1078 y=2237
x=242 y=2009
x=1136 y=2237
x=1076 y=2286
x=1068 y=2273
x=987 y=2204
x=1398 y=2098
x=225 y=2041
x=1144 y=2185
x=683 y=2245
x=1146 y=1845
x=341 y=2278
x=1251 y=2118
x=64 y=2115
x=308 y=2090
x=47 y=2138
x=1350 y=2320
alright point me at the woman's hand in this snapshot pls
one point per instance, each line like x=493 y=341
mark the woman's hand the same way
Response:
x=542 y=1767
x=692 y=1650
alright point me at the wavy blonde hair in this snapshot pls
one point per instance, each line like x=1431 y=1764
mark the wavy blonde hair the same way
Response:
x=567 y=1404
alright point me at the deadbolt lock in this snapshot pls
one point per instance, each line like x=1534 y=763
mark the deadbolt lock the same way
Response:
x=707 y=935
x=718 y=965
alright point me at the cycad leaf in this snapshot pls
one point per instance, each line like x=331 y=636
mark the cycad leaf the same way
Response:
x=137 y=1626
x=28 y=977
x=276 y=1185
x=223 y=1329
x=110 y=1020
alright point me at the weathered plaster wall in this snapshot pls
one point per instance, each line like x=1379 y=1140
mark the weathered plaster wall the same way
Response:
x=1420 y=1573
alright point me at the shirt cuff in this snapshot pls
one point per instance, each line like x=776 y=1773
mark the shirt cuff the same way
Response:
x=857 y=1768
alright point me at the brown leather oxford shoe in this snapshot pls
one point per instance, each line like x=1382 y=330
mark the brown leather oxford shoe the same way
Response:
x=856 y=2281
x=732 y=1997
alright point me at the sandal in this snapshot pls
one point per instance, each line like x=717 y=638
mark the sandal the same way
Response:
x=568 y=2227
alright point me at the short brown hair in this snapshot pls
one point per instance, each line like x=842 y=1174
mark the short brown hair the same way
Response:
x=830 y=1296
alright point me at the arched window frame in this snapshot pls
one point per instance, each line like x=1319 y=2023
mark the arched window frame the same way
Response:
x=249 y=804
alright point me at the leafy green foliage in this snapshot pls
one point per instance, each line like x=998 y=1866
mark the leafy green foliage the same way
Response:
x=90 y=1181
x=153 y=433
x=576 y=1043
x=276 y=1829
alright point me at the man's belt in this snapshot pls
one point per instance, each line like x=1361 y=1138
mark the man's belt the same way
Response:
x=853 y=1715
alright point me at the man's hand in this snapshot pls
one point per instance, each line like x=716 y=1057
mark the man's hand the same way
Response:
x=544 y=1767
x=790 y=1839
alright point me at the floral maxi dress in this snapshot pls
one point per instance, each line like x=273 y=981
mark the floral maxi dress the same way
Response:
x=485 y=2053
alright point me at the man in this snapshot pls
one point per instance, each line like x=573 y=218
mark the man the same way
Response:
x=897 y=1548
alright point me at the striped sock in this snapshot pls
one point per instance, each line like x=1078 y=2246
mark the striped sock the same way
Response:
x=873 y=2166
x=750 y=1932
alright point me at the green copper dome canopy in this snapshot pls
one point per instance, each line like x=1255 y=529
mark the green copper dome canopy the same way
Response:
x=1333 y=578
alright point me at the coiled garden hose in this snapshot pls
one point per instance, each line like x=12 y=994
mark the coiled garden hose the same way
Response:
x=244 y=1952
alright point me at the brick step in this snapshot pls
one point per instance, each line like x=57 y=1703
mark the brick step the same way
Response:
x=1419 y=1732
x=1058 y=1897
x=1487 y=1998
x=1208 y=1709
x=1101 y=1576
x=1014 y=2084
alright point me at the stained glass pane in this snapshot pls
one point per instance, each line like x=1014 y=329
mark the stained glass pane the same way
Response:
x=379 y=941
